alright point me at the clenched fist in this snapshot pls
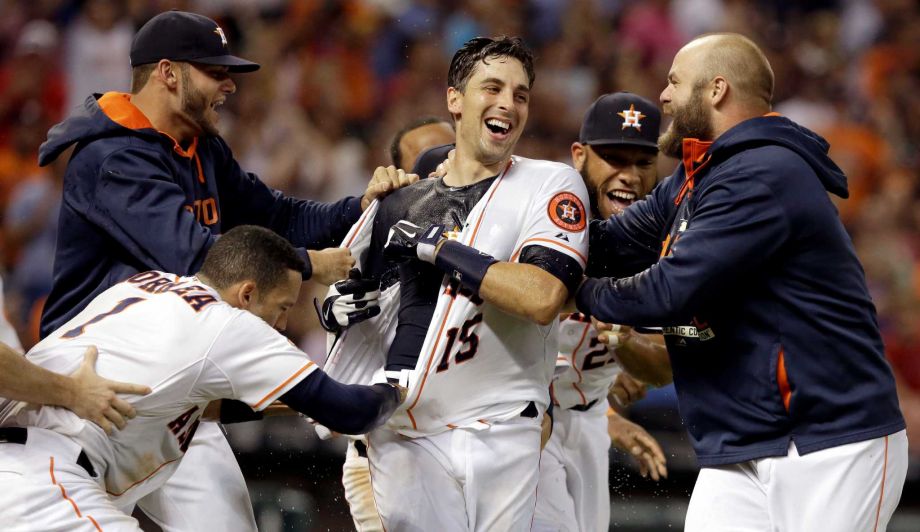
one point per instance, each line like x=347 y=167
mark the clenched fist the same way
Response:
x=331 y=264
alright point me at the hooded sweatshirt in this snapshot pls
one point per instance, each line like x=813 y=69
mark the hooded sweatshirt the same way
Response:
x=771 y=331
x=136 y=200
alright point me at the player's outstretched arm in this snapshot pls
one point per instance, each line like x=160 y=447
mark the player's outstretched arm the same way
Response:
x=642 y=355
x=344 y=408
x=86 y=393
x=633 y=439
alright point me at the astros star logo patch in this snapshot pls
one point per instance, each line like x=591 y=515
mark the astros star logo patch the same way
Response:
x=631 y=117
x=567 y=212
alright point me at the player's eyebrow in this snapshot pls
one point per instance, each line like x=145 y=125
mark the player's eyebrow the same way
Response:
x=519 y=88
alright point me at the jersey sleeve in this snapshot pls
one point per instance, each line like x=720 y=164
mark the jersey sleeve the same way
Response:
x=254 y=363
x=305 y=223
x=738 y=224
x=556 y=218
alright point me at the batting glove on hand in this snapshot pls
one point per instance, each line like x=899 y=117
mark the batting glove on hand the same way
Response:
x=407 y=240
x=350 y=301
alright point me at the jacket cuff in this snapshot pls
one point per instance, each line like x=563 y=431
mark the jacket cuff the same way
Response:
x=352 y=209
x=584 y=297
x=308 y=267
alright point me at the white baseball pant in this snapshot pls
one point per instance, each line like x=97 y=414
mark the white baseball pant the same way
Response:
x=850 y=487
x=43 y=488
x=573 y=495
x=459 y=480
x=207 y=491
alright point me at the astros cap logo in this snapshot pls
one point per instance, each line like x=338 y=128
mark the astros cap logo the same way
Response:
x=631 y=117
x=223 y=38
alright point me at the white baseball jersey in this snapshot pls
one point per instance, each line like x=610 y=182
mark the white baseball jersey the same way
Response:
x=176 y=336
x=479 y=365
x=585 y=368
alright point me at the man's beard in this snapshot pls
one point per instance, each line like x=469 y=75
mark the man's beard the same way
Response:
x=592 y=194
x=195 y=105
x=689 y=122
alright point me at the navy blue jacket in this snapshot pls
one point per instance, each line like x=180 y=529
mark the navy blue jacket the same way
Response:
x=134 y=200
x=771 y=331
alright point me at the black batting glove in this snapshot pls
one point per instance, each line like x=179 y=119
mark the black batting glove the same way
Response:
x=408 y=241
x=349 y=301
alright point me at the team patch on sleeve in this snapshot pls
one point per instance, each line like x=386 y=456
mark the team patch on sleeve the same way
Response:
x=567 y=212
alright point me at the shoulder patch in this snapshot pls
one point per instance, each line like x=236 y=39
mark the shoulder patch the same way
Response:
x=567 y=212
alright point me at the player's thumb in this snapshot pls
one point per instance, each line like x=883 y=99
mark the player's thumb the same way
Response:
x=90 y=356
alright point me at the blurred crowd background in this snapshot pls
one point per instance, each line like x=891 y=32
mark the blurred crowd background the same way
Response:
x=339 y=78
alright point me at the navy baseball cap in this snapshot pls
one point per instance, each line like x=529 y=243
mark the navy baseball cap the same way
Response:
x=182 y=36
x=621 y=118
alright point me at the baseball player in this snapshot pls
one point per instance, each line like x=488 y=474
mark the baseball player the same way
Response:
x=83 y=392
x=475 y=346
x=417 y=137
x=150 y=186
x=774 y=342
x=193 y=340
x=413 y=139
x=616 y=154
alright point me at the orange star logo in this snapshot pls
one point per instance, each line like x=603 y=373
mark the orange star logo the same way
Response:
x=631 y=117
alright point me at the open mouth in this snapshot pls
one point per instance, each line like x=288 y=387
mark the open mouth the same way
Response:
x=618 y=200
x=499 y=128
x=216 y=104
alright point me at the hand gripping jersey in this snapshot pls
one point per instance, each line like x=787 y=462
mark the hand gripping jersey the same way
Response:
x=175 y=335
x=585 y=368
x=478 y=364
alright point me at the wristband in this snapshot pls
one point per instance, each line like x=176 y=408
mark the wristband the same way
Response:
x=463 y=263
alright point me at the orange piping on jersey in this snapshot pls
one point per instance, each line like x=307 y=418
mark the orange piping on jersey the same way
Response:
x=357 y=230
x=451 y=426
x=154 y=472
x=483 y=214
x=881 y=495
x=434 y=348
x=664 y=246
x=118 y=108
x=450 y=305
x=198 y=164
x=68 y=499
x=282 y=385
x=553 y=242
x=783 y=380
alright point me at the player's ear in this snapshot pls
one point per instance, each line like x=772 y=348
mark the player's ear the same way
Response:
x=454 y=101
x=168 y=73
x=246 y=294
x=579 y=155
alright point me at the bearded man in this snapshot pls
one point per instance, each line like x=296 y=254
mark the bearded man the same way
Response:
x=773 y=338
x=150 y=185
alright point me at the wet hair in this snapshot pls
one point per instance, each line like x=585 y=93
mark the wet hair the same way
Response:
x=395 y=152
x=481 y=49
x=250 y=253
